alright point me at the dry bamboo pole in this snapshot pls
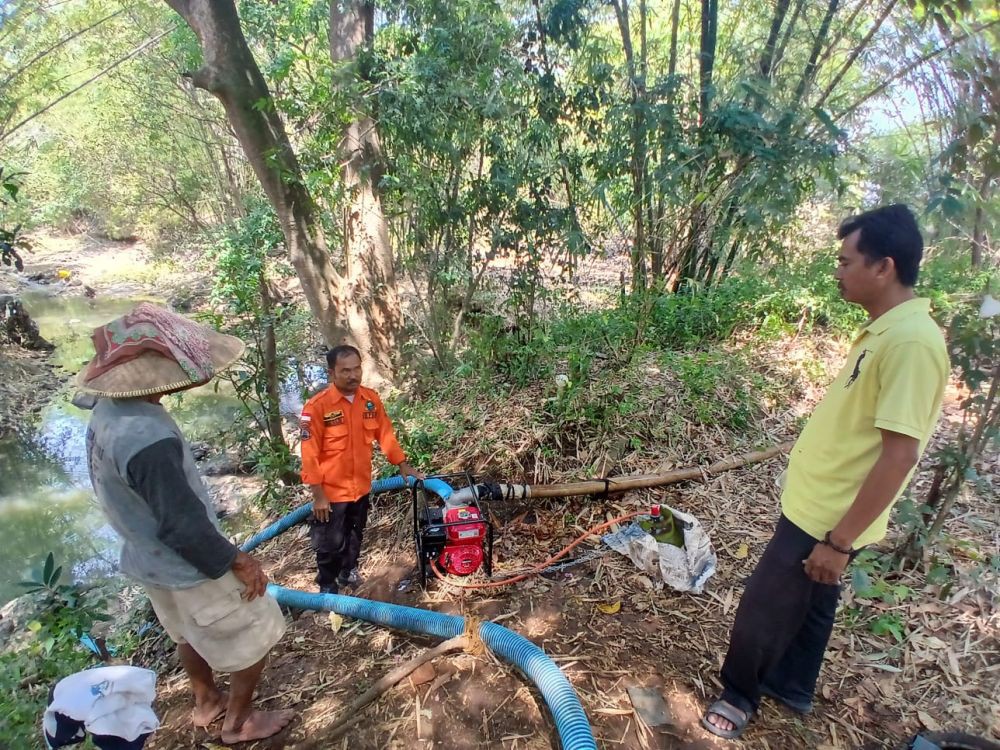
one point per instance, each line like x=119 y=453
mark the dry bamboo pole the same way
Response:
x=641 y=481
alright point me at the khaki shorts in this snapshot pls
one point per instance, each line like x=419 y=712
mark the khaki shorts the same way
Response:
x=229 y=633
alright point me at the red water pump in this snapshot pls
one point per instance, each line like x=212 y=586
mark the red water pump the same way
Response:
x=457 y=536
x=465 y=536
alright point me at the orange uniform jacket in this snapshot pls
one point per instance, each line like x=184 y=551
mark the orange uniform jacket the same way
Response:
x=337 y=439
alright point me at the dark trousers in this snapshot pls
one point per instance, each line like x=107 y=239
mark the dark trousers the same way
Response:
x=337 y=543
x=73 y=732
x=782 y=625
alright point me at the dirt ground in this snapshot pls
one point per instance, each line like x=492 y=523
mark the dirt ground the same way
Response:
x=69 y=263
x=875 y=692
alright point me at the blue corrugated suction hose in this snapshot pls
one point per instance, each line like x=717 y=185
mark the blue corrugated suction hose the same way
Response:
x=440 y=488
x=567 y=713
x=570 y=720
x=280 y=526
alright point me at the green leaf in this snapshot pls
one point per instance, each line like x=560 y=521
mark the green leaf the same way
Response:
x=888 y=625
x=862 y=584
x=50 y=563
x=55 y=576
x=901 y=593
x=938 y=575
x=828 y=122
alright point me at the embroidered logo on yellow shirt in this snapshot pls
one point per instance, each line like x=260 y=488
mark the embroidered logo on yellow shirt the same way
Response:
x=857 y=368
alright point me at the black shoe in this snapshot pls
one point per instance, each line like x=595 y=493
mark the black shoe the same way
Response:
x=331 y=589
x=349 y=580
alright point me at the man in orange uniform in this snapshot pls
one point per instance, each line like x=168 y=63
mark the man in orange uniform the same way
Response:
x=338 y=428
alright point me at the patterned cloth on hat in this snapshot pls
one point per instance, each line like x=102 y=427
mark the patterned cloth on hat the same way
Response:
x=151 y=328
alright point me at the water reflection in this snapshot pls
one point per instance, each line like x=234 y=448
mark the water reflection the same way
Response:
x=297 y=389
x=69 y=321
x=46 y=502
x=43 y=509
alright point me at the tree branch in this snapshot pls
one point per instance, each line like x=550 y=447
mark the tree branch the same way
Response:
x=138 y=50
x=911 y=67
x=52 y=48
x=352 y=714
x=809 y=73
x=856 y=53
x=204 y=78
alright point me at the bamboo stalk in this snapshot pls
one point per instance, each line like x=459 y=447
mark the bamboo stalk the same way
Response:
x=622 y=484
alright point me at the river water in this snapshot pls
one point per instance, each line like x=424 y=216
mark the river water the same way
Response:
x=46 y=504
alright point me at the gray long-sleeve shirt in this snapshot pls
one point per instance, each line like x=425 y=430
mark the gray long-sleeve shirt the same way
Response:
x=148 y=486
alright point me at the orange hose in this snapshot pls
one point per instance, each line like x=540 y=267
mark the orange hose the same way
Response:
x=542 y=565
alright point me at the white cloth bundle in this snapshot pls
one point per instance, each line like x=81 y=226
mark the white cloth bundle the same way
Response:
x=115 y=701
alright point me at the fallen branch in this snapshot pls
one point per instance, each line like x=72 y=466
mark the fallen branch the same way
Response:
x=351 y=715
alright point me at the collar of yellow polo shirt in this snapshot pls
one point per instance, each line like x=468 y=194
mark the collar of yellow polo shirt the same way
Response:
x=893 y=379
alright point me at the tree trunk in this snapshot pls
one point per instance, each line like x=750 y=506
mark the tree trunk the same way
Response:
x=272 y=394
x=979 y=239
x=637 y=165
x=231 y=74
x=767 y=56
x=810 y=70
x=640 y=143
x=706 y=57
x=369 y=291
x=779 y=53
x=269 y=358
x=675 y=19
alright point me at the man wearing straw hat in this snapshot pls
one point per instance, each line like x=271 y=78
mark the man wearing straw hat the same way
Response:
x=209 y=596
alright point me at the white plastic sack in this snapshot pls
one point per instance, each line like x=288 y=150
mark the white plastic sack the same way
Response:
x=682 y=569
x=115 y=701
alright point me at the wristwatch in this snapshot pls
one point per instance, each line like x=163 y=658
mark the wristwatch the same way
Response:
x=836 y=547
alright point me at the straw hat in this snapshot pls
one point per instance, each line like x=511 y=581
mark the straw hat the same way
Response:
x=151 y=350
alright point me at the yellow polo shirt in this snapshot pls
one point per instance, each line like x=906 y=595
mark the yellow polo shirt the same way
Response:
x=893 y=379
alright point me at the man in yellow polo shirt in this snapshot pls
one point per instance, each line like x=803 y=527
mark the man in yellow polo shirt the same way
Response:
x=848 y=467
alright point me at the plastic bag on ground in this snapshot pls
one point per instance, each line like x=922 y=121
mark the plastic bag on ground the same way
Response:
x=684 y=568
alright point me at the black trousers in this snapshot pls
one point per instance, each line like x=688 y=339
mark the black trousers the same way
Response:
x=337 y=543
x=73 y=732
x=782 y=625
